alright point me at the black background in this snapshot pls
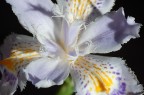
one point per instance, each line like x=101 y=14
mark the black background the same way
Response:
x=132 y=52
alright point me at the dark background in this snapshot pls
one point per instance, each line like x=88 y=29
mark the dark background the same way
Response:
x=132 y=52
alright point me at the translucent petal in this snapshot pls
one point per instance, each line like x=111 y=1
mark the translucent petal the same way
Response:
x=98 y=75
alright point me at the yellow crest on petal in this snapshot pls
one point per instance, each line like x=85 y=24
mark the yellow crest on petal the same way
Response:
x=102 y=82
x=19 y=58
x=79 y=9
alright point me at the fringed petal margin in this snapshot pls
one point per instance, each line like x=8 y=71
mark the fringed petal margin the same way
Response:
x=98 y=75
x=16 y=52
x=8 y=82
x=107 y=33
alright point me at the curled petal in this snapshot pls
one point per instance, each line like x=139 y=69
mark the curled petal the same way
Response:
x=107 y=33
x=47 y=72
x=98 y=75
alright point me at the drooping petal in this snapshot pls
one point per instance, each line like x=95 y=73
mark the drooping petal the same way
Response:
x=98 y=75
x=103 y=6
x=107 y=33
x=34 y=15
x=8 y=82
x=18 y=51
x=47 y=72
x=76 y=9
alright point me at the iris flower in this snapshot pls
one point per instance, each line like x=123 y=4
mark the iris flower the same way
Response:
x=66 y=35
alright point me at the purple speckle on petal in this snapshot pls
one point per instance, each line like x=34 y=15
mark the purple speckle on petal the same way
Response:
x=94 y=8
x=85 y=85
x=123 y=86
x=111 y=67
x=118 y=73
x=118 y=78
x=9 y=77
x=93 y=14
x=105 y=67
x=88 y=93
x=113 y=72
x=120 y=91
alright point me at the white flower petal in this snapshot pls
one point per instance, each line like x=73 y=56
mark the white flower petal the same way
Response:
x=22 y=50
x=47 y=72
x=5 y=48
x=73 y=32
x=98 y=75
x=103 y=6
x=62 y=4
x=75 y=9
x=18 y=51
x=37 y=17
x=8 y=82
x=65 y=35
x=61 y=31
x=107 y=33
x=22 y=79
x=34 y=15
x=95 y=13
x=49 y=47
